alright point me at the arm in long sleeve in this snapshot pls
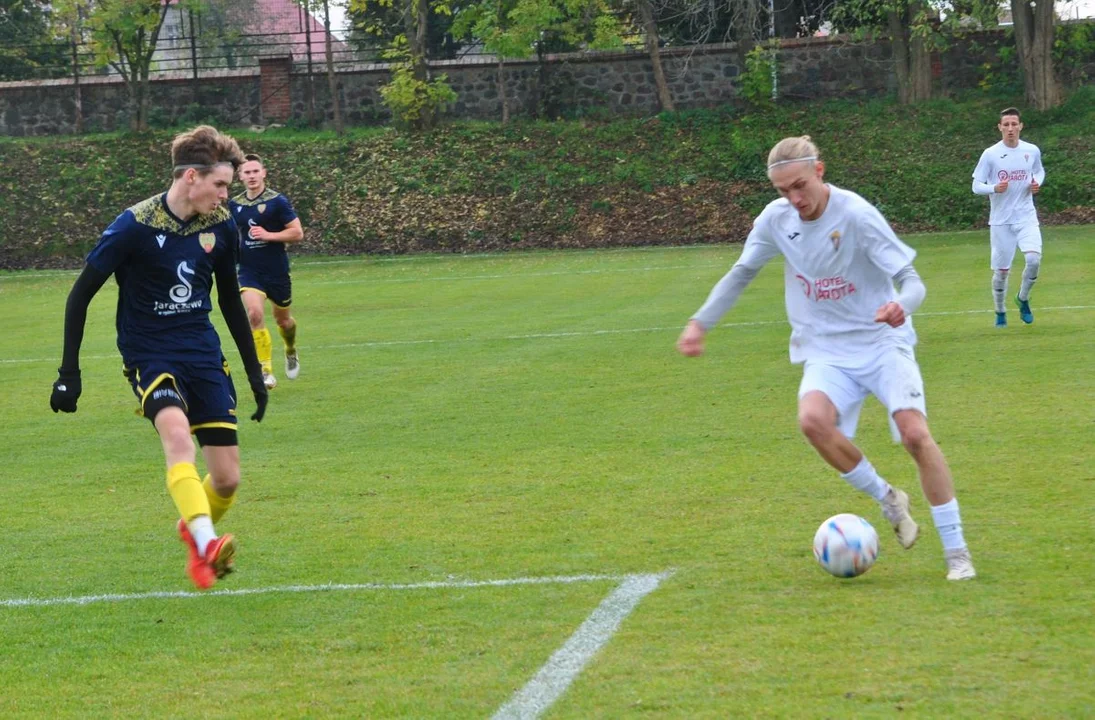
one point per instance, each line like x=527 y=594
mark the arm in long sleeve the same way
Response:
x=79 y=298
x=724 y=295
x=235 y=315
x=910 y=289
x=1038 y=171
x=982 y=176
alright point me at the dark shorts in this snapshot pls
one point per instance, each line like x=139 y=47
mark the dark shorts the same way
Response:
x=277 y=289
x=205 y=393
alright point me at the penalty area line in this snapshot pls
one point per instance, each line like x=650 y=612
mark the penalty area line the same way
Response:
x=297 y=589
x=553 y=679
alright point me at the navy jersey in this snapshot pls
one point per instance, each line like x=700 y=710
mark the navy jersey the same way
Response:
x=164 y=270
x=272 y=211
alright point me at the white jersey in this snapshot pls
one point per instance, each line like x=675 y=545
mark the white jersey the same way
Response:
x=1018 y=165
x=838 y=272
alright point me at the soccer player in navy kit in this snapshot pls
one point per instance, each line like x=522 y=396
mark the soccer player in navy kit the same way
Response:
x=165 y=254
x=267 y=222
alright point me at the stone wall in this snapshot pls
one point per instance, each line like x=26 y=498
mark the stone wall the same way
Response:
x=618 y=82
x=49 y=107
x=565 y=85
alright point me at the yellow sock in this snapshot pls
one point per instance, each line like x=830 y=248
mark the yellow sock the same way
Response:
x=263 y=348
x=218 y=505
x=186 y=491
x=289 y=335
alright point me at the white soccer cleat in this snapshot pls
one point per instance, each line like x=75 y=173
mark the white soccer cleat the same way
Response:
x=896 y=509
x=269 y=380
x=960 y=565
x=292 y=365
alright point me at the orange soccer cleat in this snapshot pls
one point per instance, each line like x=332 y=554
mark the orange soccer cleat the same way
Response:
x=220 y=555
x=201 y=573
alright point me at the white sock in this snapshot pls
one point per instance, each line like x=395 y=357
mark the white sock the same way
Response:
x=948 y=521
x=865 y=478
x=999 y=288
x=1030 y=274
x=201 y=529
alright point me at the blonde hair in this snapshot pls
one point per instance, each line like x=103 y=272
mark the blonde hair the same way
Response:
x=793 y=149
x=203 y=148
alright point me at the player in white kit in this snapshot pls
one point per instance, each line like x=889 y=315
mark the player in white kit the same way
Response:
x=1010 y=173
x=850 y=327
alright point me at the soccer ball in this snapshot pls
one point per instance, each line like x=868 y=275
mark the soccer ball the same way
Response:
x=846 y=545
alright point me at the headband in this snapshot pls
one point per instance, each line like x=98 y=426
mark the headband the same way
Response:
x=788 y=162
x=200 y=166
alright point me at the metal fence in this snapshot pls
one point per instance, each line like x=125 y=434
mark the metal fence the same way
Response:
x=194 y=44
x=189 y=43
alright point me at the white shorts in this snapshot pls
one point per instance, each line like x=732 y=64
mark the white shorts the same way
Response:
x=1005 y=238
x=893 y=377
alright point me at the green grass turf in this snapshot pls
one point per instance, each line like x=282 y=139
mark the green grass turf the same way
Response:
x=526 y=415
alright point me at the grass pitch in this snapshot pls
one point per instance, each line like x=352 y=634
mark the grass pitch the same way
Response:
x=526 y=415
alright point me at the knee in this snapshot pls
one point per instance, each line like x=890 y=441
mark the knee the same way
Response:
x=916 y=439
x=1034 y=261
x=254 y=315
x=286 y=322
x=225 y=481
x=1000 y=274
x=177 y=441
x=815 y=426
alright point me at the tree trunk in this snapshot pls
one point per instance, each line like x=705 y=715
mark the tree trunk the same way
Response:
x=417 y=23
x=1034 y=35
x=650 y=35
x=920 y=68
x=912 y=60
x=744 y=28
x=332 y=82
x=79 y=100
x=502 y=89
x=142 y=103
x=310 y=86
x=900 y=55
x=140 y=69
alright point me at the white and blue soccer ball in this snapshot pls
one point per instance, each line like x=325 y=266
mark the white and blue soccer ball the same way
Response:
x=846 y=545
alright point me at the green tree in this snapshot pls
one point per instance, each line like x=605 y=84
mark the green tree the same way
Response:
x=415 y=98
x=123 y=35
x=916 y=28
x=513 y=29
x=27 y=47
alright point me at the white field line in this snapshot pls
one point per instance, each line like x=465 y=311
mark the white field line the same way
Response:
x=507 y=276
x=553 y=679
x=374 y=260
x=440 y=278
x=547 y=335
x=517 y=254
x=514 y=254
x=329 y=587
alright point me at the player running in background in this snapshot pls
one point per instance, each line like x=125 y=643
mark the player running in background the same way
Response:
x=1010 y=173
x=165 y=254
x=851 y=329
x=267 y=223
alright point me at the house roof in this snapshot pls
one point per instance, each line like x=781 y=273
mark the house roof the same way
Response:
x=287 y=19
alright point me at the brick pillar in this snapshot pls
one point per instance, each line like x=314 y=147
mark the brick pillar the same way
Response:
x=277 y=105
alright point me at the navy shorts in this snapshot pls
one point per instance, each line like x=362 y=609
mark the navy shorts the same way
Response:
x=204 y=392
x=277 y=289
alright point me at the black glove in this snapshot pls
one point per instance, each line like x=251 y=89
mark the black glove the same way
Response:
x=258 y=387
x=66 y=391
